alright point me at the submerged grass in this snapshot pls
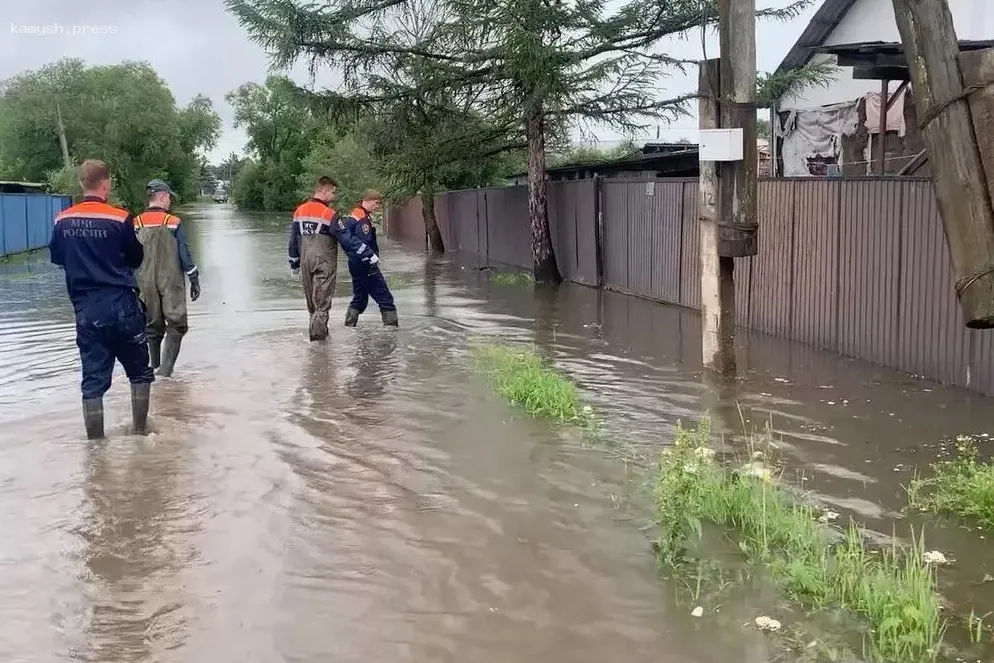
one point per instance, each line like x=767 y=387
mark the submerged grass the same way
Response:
x=524 y=379
x=512 y=278
x=891 y=588
x=962 y=486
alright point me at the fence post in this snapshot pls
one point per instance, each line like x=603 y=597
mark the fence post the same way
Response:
x=599 y=228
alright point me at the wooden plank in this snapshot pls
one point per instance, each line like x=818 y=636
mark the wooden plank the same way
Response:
x=929 y=39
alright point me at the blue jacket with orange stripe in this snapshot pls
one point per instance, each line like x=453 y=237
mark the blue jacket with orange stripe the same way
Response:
x=316 y=217
x=97 y=246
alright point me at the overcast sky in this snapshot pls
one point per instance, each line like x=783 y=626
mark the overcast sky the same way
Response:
x=197 y=47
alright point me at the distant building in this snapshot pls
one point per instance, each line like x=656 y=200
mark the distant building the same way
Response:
x=815 y=127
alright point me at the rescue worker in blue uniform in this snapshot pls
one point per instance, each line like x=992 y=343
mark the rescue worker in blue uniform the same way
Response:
x=367 y=279
x=95 y=243
x=315 y=234
x=161 y=278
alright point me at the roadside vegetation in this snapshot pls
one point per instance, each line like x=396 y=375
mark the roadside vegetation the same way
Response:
x=512 y=278
x=892 y=588
x=524 y=379
x=962 y=486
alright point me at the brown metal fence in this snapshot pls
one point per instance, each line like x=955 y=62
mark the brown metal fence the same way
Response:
x=855 y=266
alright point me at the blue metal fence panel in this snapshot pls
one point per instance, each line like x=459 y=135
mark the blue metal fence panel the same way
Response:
x=26 y=220
x=14 y=217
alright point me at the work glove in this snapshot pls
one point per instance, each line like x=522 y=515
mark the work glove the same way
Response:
x=194 y=288
x=374 y=260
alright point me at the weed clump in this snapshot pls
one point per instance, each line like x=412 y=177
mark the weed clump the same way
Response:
x=512 y=278
x=521 y=377
x=963 y=486
x=893 y=589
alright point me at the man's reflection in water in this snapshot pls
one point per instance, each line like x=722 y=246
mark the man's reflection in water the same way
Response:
x=136 y=528
x=374 y=362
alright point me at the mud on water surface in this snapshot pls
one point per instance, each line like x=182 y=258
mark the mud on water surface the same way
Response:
x=369 y=499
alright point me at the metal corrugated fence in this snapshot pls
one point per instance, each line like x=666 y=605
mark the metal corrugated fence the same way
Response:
x=26 y=220
x=854 y=266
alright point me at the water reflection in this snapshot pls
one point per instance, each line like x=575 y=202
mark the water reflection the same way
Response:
x=137 y=524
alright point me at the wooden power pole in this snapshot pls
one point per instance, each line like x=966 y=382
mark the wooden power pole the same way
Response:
x=729 y=228
x=955 y=106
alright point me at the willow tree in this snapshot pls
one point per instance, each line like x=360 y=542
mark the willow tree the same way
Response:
x=532 y=61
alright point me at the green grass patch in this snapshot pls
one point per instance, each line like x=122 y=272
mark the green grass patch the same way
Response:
x=512 y=278
x=890 y=588
x=526 y=380
x=962 y=486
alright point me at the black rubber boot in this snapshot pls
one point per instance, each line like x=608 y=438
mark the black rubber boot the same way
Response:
x=351 y=317
x=169 y=354
x=155 y=352
x=139 y=407
x=93 y=417
x=389 y=318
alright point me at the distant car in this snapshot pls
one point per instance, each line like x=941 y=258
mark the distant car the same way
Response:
x=220 y=196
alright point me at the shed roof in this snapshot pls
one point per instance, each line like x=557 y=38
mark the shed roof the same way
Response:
x=883 y=60
x=825 y=20
x=683 y=162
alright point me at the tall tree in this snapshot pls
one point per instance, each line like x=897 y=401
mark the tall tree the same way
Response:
x=280 y=128
x=123 y=114
x=538 y=61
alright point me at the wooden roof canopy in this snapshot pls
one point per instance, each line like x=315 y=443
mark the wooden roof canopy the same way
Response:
x=882 y=61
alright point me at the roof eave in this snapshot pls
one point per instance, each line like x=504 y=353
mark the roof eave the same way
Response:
x=822 y=24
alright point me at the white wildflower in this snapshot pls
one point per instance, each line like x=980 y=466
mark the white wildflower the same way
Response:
x=767 y=624
x=935 y=557
x=704 y=453
x=697 y=612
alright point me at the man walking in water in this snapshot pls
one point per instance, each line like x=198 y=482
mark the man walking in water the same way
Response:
x=313 y=250
x=160 y=278
x=367 y=279
x=96 y=245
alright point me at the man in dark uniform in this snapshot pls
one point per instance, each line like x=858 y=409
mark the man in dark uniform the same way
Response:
x=367 y=279
x=97 y=246
x=161 y=278
x=313 y=249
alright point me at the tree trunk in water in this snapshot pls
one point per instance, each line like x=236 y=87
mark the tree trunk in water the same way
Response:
x=543 y=259
x=435 y=244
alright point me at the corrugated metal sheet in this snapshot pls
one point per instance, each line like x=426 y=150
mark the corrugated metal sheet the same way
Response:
x=933 y=339
x=816 y=242
x=582 y=195
x=856 y=266
x=770 y=305
x=26 y=220
x=667 y=240
x=869 y=256
x=616 y=227
x=690 y=260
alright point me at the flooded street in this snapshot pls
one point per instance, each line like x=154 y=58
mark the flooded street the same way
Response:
x=369 y=499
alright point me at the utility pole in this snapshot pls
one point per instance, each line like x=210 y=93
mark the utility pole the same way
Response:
x=955 y=108
x=63 y=144
x=728 y=177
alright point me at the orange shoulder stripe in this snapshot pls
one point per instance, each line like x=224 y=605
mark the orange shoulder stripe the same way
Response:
x=91 y=209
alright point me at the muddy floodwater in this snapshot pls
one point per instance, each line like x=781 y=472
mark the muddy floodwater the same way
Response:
x=368 y=499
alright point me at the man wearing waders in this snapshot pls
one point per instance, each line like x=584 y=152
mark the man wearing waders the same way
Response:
x=367 y=279
x=160 y=278
x=96 y=245
x=313 y=250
